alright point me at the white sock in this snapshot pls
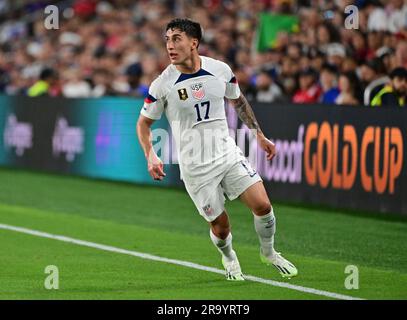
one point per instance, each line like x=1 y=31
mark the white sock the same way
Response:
x=224 y=246
x=266 y=228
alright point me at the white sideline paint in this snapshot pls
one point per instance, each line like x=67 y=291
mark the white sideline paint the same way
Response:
x=172 y=261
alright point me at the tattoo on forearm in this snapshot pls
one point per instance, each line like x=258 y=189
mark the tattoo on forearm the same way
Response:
x=245 y=113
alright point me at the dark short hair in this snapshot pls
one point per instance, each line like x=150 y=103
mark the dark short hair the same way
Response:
x=309 y=71
x=354 y=83
x=376 y=65
x=398 y=72
x=332 y=69
x=48 y=73
x=191 y=28
x=134 y=70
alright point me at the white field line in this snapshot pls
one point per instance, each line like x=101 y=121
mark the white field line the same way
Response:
x=173 y=261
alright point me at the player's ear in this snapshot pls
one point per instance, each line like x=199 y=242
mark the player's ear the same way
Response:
x=195 y=43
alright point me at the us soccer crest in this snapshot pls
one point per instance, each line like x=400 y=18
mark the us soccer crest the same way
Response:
x=208 y=209
x=198 y=91
x=183 y=95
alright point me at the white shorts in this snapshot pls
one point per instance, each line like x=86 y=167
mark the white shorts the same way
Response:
x=209 y=198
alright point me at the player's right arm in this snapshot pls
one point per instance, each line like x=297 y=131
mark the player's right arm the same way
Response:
x=152 y=110
x=154 y=164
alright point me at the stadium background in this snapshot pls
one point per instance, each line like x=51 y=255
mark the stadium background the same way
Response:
x=92 y=74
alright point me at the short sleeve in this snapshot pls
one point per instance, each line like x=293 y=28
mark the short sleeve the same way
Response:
x=232 y=86
x=154 y=103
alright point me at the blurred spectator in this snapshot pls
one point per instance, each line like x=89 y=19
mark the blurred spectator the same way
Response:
x=388 y=58
x=43 y=86
x=74 y=86
x=372 y=77
x=358 y=46
x=349 y=64
x=309 y=91
x=329 y=84
x=377 y=20
x=348 y=86
x=245 y=83
x=288 y=76
x=267 y=90
x=134 y=73
x=393 y=94
x=397 y=11
x=401 y=53
x=336 y=54
x=84 y=8
x=317 y=60
x=103 y=83
x=327 y=34
x=294 y=50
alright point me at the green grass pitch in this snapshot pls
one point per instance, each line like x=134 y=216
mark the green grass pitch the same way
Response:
x=163 y=222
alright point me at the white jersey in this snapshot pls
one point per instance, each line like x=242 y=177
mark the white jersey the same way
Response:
x=195 y=108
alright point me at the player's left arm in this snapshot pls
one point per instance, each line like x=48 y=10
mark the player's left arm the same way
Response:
x=246 y=114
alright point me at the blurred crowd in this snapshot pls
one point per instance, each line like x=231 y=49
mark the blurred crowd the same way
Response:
x=116 y=48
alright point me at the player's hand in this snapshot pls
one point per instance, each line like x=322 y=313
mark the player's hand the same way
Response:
x=267 y=146
x=156 y=167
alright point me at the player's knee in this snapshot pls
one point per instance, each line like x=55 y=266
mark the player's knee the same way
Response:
x=262 y=208
x=221 y=226
x=221 y=231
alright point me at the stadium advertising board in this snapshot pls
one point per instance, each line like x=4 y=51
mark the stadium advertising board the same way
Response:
x=346 y=157
x=87 y=137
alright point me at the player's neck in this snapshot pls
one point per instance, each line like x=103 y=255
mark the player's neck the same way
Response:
x=192 y=65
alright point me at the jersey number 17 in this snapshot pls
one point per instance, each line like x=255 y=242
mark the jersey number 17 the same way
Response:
x=198 y=113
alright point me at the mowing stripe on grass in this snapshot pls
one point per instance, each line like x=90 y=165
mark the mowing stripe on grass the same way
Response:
x=172 y=261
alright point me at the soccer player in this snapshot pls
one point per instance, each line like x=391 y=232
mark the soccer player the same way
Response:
x=191 y=92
